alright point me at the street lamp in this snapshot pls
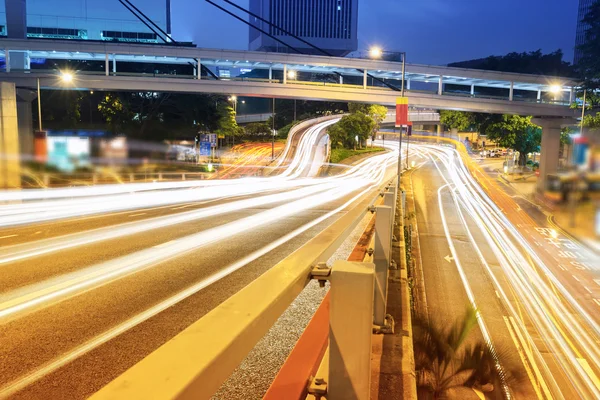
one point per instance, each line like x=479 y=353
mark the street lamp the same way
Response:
x=66 y=77
x=375 y=52
x=291 y=74
x=233 y=99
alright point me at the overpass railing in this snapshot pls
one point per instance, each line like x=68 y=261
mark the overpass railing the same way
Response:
x=198 y=360
x=56 y=73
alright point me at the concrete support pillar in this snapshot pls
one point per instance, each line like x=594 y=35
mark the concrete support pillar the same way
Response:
x=106 y=68
x=511 y=91
x=571 y=95
x=350 y=330
x=270 y=73
x=539 y=95
x=473 y=90
x=439 y=129
x=284 y=74
x=114 y=67
x=365 y=79
x=441 y=85
x=25 y=120
x=198 y=69
x=10 y=172
x=549 y=149
x=408 y=84
x=341 y=80
x=7 y=59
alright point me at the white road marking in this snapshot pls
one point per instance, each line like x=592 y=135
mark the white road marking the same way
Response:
x=576 y=278
x=137 y=215
x=588 y=289
x=597 y=301
x=7 y=236
x=180 y=207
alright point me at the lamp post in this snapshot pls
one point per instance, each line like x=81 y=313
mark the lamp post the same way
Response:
x=233 y=99
x=583 y=111
x=376 y=53
x=273 y=133
x=66 y=77
x=39 y=96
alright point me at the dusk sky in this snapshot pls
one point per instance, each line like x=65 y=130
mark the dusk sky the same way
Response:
x=430 y=31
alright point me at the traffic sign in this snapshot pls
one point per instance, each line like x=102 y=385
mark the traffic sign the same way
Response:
x=205 y=148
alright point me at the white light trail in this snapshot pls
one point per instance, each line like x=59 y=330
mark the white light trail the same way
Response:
x=572 y=338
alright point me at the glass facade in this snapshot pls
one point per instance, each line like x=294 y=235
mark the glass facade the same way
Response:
x=92 y=20
x=584 y=7
x=328 y=24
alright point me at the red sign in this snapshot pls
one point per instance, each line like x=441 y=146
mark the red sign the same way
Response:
x=401 y=111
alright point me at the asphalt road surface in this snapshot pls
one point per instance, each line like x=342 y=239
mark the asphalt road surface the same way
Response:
x=533 y=287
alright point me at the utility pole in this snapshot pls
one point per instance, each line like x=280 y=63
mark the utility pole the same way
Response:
x=408 y=129
x=39 y=96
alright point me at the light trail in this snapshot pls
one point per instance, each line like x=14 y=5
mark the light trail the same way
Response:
x=293 y=188
x=57 y=289
x=572 y=338
x=356 y=182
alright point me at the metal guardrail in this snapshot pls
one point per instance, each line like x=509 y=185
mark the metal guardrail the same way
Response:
x=198 y=360
x=49 y=179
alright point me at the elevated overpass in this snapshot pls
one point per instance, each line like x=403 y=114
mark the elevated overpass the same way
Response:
x=288 y=76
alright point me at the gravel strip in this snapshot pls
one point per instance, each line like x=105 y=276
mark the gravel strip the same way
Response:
x=254 y=375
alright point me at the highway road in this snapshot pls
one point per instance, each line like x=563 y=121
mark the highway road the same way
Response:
x=94 y=279
x=247 y=159
x=536 y=290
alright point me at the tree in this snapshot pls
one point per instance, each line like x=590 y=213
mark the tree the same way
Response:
x=344 y=133
x=376 y=112
x=258 y=129
x=445 y=363
x=114 y=112
x=534 y=62
x=227 y=124
x=517 y=133
x=459 y=120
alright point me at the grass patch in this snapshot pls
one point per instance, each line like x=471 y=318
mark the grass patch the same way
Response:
x=339 y=155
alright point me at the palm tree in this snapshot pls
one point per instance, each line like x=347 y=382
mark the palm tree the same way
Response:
x=445 y=364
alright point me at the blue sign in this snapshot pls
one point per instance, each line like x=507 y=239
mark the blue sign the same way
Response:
x=205 y=148
x=212 y=138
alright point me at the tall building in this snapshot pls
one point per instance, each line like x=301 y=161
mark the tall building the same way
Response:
x=84 y=19
x=328 y=24
x=584 y=7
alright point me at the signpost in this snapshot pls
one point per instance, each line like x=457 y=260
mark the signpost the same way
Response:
x=401 y=119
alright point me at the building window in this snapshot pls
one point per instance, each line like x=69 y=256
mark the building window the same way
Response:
x=130 y=36
x=56 y=33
